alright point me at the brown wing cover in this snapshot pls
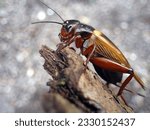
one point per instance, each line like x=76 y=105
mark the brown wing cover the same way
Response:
x=107 y=49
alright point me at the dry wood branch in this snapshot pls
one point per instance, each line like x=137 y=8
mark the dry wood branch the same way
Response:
x=81 y=90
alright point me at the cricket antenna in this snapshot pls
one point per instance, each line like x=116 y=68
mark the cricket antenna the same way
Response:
x=53 y=11
x=48 y=22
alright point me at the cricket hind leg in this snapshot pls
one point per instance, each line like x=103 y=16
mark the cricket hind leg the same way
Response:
x=115 y=67
x=101 y=64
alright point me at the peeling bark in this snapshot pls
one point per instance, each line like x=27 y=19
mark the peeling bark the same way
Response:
x=74 y=88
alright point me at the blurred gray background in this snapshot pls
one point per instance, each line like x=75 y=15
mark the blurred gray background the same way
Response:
x=22 y=77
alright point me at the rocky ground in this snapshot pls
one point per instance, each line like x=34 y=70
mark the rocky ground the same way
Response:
x=22 y=77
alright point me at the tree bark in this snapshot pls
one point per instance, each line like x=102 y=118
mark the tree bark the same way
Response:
x=74 y=88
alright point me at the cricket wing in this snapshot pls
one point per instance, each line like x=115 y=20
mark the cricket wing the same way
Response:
x=107 y=49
